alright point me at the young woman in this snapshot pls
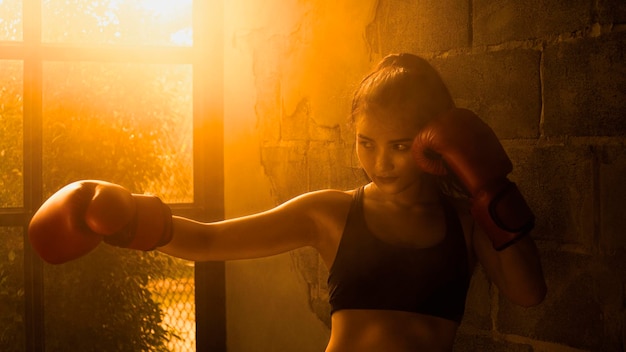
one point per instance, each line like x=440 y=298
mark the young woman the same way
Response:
x=400 y=250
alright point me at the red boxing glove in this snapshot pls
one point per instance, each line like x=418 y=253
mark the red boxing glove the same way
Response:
x=74 y=221
x=461 y=142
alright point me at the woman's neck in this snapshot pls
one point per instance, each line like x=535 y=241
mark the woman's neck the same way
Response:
x=425 y=191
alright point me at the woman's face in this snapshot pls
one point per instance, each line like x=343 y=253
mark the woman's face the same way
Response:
x=383 y=144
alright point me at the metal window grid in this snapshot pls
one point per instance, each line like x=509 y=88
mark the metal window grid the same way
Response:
x=206 y=58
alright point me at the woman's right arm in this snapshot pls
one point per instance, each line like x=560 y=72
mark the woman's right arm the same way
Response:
x=297 y=223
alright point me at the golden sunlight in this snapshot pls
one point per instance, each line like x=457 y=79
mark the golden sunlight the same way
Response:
x=166 y=8
x=118 y=22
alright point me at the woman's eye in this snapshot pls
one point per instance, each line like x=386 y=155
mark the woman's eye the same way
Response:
x=401 y=147
x=367 y=145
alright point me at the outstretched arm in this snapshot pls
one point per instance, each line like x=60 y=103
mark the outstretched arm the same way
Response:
x=81 y=215
x=289 y=226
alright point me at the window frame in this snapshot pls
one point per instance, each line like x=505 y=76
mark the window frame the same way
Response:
x=206 y=58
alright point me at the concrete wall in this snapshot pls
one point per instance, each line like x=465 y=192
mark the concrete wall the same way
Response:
x=548 y=76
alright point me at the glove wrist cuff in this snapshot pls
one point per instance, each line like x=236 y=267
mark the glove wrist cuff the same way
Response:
x=150 y=228
x=503 y=214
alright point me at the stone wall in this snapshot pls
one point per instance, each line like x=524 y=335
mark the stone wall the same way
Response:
x=548 y=76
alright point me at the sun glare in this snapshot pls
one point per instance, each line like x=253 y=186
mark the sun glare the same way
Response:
x=168 y=9
x=165 y=7
x=170 y=15
x=182 y=37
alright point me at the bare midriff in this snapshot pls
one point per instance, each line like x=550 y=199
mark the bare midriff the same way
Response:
x=389 y=331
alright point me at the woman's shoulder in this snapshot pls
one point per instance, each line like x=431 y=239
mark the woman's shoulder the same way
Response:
x=330 y=194
x=328 y=209
x=326 y=206
x=325 y=199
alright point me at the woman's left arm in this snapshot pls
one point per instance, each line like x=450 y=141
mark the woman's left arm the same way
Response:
x=515 y=270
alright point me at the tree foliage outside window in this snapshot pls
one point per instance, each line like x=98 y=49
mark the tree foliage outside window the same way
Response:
x=12 y=333
x=10 y=20
x=11 y=155
x=124 y=134
x=127 y=123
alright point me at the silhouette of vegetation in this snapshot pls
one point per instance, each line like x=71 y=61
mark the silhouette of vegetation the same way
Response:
x=121 y=122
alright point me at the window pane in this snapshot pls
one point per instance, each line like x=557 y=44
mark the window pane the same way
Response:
x=12 y=333
x=119 y=300
x=11 y=138
x=129 y=124
x=10 y=20
x=125 y=22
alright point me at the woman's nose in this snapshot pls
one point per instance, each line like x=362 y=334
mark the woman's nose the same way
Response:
x=383 y=162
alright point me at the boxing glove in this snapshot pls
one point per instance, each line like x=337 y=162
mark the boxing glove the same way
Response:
x=74 y=221
x=460 y=142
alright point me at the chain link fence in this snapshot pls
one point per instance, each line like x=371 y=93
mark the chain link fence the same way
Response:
x=176 y=297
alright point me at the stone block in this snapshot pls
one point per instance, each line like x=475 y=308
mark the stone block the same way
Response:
x=309 y=264
x=478 y=303
x=295 y=124
x=473 y=343
x=503 y=88
x=580 y=309
x=285 y=165
x=331 y=166
x=585 y=87
x=322 y=132
x=418 y=26
x=557 y=182
x=497 y=22
x=612 y=197
x=611 y=11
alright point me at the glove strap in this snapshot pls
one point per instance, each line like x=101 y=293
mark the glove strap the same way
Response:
x=151 y=226
x=503 y=214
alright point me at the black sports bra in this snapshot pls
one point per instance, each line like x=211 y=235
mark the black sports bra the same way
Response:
x=368 y=273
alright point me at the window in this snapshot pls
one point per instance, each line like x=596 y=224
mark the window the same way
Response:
x=127 y=91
